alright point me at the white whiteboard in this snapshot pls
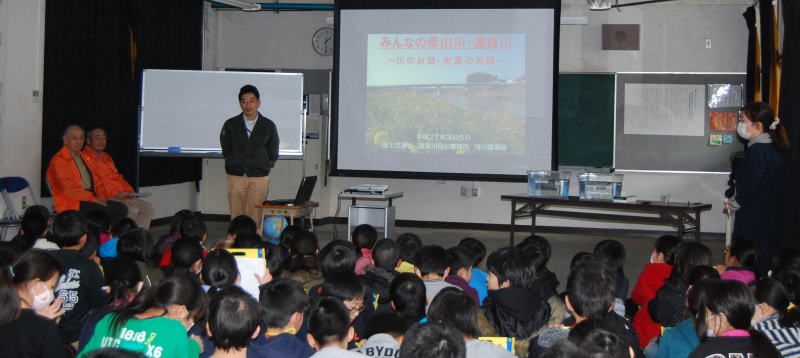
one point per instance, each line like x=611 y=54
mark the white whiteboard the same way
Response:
x=186 y=109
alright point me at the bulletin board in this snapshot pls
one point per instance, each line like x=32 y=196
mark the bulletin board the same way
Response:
x=681 y=122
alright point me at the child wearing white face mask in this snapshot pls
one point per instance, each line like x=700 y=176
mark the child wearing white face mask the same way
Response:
x=25 y=288
x=724 y=323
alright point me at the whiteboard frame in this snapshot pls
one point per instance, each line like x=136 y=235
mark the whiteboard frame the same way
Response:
x=295 y=154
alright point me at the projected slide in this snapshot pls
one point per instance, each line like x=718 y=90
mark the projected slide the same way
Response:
x=472 y=95
x=436 y=93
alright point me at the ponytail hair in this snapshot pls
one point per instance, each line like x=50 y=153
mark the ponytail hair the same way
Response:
x=32 y=264
x=122 y=276
x=172 y=291
x=219 y=270
x=760 y=112
x=786 y=270
x=185 y=252
x=33 y=226
x=734 y=300
x=747 y=253
x=303 y=253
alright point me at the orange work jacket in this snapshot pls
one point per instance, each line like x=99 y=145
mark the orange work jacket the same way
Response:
x=65 y=182
x=108 y=182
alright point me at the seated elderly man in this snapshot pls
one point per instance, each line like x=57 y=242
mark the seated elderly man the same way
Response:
x=72 y=182
x=109 y=183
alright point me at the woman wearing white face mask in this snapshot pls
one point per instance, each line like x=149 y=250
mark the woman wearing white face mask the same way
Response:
x=758 y=179
x=27 y=287
x=724 y=323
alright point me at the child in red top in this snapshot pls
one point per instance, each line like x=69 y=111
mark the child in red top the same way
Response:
x=651 y=279
x=364 y=239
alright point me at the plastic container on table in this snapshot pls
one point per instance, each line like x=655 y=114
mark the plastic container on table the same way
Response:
x=548 y=183
x=600 y=186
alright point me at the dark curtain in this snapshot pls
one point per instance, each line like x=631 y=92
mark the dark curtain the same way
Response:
x=750 y=82
x=767 y=43
x=790 y=116
x=168 y=35
x=94 y=54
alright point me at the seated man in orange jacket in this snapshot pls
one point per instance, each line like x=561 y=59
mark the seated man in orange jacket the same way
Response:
x=72 y=183
x=109 y=183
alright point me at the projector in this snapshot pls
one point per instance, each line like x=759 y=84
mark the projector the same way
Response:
x=369 y=188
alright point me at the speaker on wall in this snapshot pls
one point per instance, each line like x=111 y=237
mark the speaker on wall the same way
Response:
x=621 y=37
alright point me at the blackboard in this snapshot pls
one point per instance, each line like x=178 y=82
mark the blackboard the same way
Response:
x=683 y=153
x=586 y=119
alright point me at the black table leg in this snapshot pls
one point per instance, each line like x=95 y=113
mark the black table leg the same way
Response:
x=513 y=219
x=533 y=221
x=697 y=225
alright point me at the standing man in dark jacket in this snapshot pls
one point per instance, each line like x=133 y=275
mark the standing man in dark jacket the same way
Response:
x=250 y=147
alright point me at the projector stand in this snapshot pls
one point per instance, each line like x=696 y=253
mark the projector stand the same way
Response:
x=380 y=217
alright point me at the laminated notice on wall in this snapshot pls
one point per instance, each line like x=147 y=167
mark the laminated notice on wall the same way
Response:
x=664 y=109
x=724 y=96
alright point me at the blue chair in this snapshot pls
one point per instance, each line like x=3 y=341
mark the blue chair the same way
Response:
x=10 y=217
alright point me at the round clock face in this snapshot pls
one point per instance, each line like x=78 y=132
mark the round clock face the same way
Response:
x=323 y=41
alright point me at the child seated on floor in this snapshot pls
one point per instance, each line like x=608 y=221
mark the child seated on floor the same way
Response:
x=81 y=282
x=385 y=331
x=650 y=280
x=193 y=228
x=240 y=224
x=539 y=249
x=330 y=330
x=233 y=321
x=378 y=278
x=612 y=254
x=461 y=260
x=514 y=307
x=364 y=238
x=409 y=244
x=478 y=281
x=302 y=264
x=740 y=262
x=432 y=268
x=408 y=297
x=165 y=241
x=283 y=302
x=33 y=233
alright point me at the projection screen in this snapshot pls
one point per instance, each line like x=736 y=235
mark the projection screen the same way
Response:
x=445 y=92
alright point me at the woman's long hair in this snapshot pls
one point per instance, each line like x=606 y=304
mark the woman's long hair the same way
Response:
x=760 y=112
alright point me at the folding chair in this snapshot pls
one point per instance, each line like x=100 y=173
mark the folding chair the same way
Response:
x=11 y=217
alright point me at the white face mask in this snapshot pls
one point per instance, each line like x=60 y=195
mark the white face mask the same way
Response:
x=42 y=299
x=741 y=130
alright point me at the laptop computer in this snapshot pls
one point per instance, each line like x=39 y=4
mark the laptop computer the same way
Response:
x=303 y=194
